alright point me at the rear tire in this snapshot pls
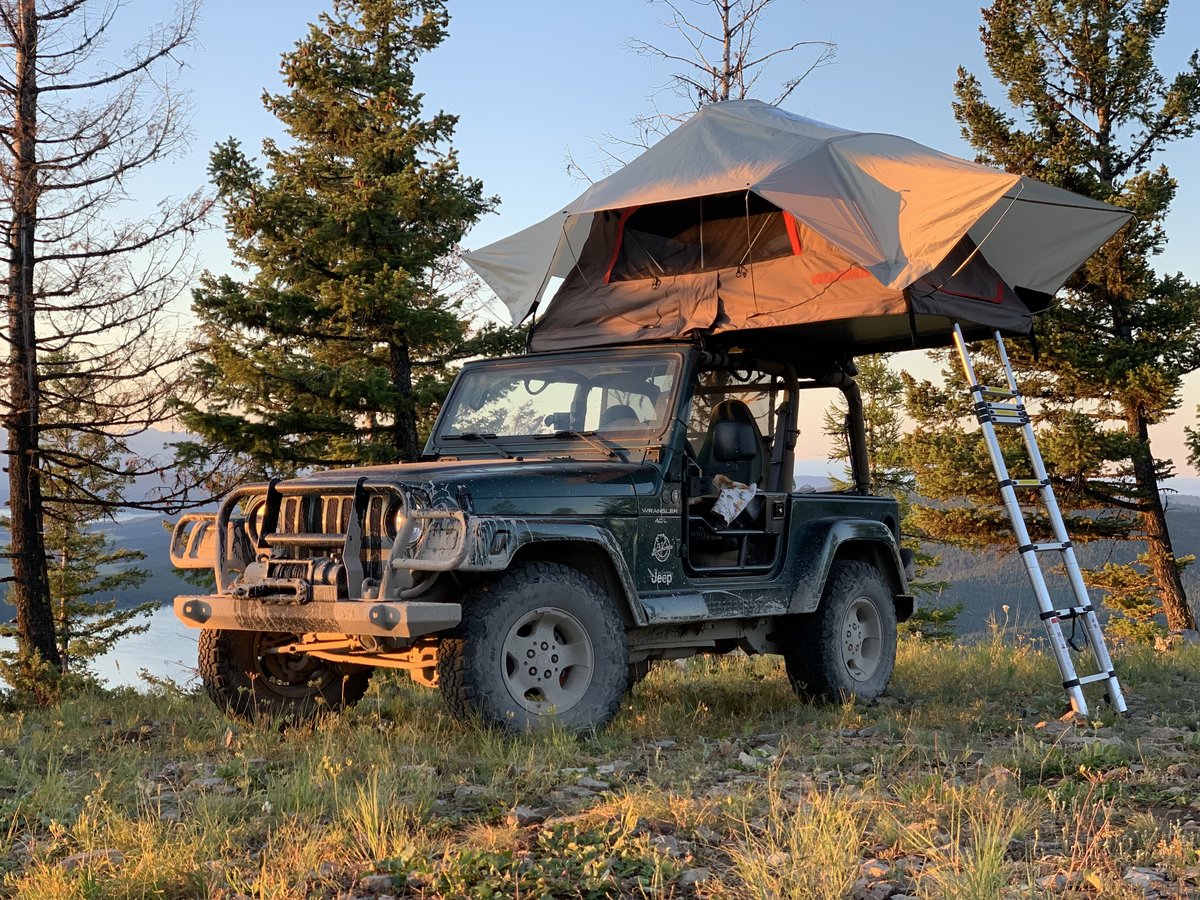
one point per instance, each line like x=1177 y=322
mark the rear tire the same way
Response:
x=542 y=644
x=847 y=648
x=251 y=685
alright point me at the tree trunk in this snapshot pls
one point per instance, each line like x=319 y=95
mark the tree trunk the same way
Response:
x=726 y=76
x=404 y=424
x=30 y=592
x=1154 y=523
x=62 y=624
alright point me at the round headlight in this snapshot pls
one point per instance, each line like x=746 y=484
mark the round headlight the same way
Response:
x=256 y=512
x=396 y=519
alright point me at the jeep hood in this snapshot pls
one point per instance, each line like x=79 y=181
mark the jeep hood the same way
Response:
x=530 y=487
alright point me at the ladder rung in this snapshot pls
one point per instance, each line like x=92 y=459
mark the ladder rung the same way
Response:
x=1045 y=547
x=1025 y=483
x=1001 y=413
x=1089 y=679
x=993 y=393
x=1069 y=613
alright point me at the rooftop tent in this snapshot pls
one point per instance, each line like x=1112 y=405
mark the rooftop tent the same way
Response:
x=749 y=220
x=736 y=262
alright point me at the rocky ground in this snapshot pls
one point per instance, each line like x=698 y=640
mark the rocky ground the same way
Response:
x=713 y=782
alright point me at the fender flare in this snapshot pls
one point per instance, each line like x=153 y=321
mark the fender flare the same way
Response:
x=858 y=538
x=545 y=533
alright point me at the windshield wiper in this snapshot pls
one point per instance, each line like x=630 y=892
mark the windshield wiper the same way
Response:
x=587 y=437
x=481 y=437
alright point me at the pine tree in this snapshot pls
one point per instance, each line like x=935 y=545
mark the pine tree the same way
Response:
x=882 y=394
x=337 y=347
x=88 y=570
x=1193 y=441
x=960 y=503
x=1090 y=111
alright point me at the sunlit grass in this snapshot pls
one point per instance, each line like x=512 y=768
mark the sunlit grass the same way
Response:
x=798 y=847
x=965 y=840
x=961 y=783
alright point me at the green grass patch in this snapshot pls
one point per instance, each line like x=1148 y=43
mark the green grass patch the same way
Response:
x=713 y=781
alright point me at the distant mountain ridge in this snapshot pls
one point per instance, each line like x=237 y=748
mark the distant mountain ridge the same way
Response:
x=154 y=442
x=148 y=534
x=984 y=582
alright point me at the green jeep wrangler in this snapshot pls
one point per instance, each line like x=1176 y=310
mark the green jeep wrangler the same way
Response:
x=575 y=517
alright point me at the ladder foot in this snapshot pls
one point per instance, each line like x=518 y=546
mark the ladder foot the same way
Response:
x=1119 y=707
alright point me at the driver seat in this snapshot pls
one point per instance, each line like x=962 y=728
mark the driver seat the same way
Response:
x=747 y=471
x=619 y=416
x=742 y=543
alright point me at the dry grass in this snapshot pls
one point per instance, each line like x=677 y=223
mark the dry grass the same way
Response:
x=961 y=784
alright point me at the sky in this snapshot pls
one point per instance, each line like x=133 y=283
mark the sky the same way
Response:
x=534 y=81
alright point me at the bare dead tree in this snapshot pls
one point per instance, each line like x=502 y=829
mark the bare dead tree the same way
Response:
x=725 y=61
x=91 y=276
x=720 y=58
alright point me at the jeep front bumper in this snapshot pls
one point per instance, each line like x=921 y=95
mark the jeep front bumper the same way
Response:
x=351 y=559
x=400 y=618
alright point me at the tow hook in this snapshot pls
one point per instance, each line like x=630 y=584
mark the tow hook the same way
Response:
x=384 y=616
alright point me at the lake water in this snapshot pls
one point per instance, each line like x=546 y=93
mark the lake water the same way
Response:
x=167 y=650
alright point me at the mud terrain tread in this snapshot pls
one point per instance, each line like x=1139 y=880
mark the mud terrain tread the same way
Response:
x=465 y=695
x=811 y=653
x=217 y=674
x=457 y=693
x=228 y=682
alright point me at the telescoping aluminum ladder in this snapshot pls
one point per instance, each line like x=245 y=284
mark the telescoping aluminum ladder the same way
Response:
x=1004 y=406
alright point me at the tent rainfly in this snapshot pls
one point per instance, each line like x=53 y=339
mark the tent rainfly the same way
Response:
x=752 y=220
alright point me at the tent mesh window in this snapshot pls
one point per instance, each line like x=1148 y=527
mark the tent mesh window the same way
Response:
x=700 y=234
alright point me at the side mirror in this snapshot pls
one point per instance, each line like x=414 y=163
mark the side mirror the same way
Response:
x=734 y=442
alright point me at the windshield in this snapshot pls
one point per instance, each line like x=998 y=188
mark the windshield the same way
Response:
x=629 y=397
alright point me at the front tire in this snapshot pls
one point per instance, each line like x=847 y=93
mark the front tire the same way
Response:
x=542 y=644
x=250 y=684
x=847 y=648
